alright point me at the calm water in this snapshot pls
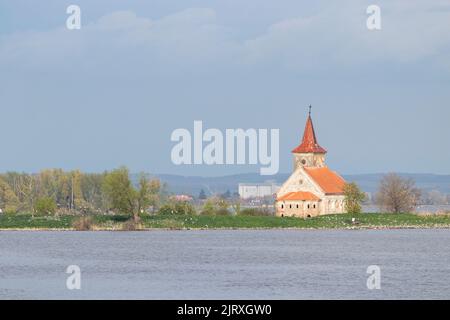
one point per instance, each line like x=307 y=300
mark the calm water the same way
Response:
x=226 y=264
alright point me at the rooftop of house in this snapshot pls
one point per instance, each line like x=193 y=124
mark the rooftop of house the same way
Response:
x=329 y=181
x=299 y=196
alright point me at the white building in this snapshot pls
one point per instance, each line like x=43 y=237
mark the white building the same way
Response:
x=257 y=190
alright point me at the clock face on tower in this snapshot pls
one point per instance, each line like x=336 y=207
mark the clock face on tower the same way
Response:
x=307 y=160
x=300 y=162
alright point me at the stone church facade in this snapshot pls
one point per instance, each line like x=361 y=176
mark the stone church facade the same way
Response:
x=312 y=189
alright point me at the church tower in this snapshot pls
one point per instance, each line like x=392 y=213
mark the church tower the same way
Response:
x=309 y=153
x=312 y=189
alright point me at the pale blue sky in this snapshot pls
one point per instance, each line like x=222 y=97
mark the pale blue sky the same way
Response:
x=111 y=93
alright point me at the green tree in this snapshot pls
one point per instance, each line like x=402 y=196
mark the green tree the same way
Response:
x=25 y=188
x=75 y=192
x=46 y=206
x=125 y=198
x=92 y=192
x=215 y=206
x=147 y=193
x=353 y=198
x=9 y=202
x=177 y=208
x=118 y=188
x=208 y=208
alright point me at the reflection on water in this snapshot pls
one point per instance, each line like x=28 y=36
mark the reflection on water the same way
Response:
x=234 y=264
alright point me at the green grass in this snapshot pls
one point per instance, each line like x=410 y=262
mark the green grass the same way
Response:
x=342 y=221
x=327 y=222
x=22 y=221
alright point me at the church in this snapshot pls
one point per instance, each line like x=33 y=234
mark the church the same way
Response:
x=312 y=189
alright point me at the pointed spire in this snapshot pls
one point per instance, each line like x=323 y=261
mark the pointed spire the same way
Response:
x=309 y=142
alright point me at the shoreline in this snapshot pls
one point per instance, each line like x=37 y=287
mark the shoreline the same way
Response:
x=117 y=223
x=362 y=228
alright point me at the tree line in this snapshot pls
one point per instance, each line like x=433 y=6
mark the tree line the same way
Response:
x=54 y=190
x=58 y=192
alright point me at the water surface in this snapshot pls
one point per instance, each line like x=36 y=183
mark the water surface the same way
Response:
x=234 y=264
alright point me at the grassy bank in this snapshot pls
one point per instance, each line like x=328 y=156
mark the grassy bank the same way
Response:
x=343 y=221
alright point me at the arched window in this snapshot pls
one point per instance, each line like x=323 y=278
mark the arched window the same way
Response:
x=297 y=205
x=290 y=206
x=309 y=206
x=314 y=206
x=282 y=206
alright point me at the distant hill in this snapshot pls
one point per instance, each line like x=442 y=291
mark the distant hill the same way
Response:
x=426 y=182
x=213 y=185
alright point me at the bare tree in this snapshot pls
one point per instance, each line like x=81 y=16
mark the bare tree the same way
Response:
x=397 y=194
x=435 y=197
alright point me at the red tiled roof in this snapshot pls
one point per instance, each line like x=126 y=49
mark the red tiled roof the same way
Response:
x=329 y=181
x=299 y=196
x=309 y=143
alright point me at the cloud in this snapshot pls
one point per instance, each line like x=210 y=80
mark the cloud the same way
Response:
x=188 y=37
x=338 y=36
x=193 y=40
x=127 y=79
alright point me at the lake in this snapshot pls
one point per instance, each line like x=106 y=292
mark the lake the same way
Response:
x=232 y=264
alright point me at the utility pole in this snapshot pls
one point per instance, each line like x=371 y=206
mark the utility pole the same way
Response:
x=71 y=196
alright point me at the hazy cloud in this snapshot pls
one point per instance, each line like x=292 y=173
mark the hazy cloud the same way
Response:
x=334 y=37
x=135 y=72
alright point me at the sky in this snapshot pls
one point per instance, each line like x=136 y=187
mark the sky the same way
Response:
x=111 y=93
